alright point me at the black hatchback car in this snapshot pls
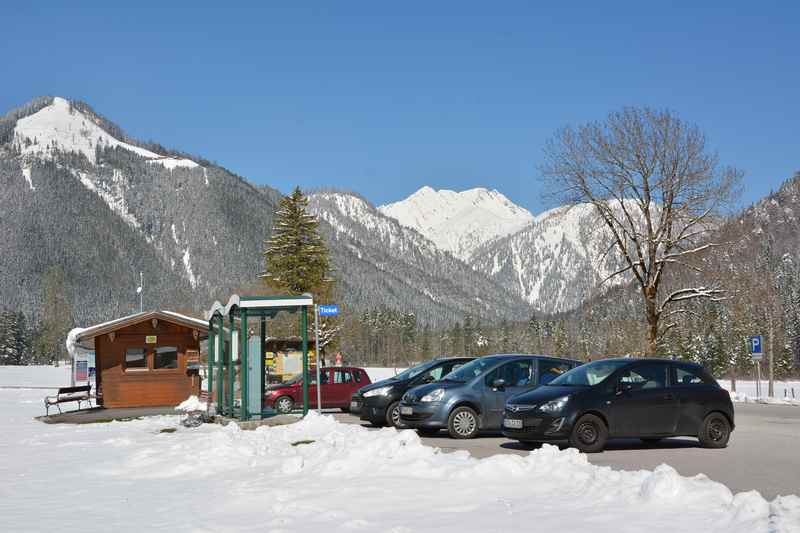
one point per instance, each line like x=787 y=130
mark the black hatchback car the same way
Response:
x=379 y=402
x=644 y=398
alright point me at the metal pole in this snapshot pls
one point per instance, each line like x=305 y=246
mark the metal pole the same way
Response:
x=141 y=292
x=219 y=339
x=244 y=373
x=304 y=326
x=231 y=365
x=316 y=356
x=211 y=355
x=758 y=379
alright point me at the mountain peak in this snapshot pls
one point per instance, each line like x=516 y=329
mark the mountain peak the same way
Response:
x=459 y=222
x=74 y=127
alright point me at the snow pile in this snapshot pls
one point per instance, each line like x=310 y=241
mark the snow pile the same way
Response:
x=191 y=404
x=319 y=474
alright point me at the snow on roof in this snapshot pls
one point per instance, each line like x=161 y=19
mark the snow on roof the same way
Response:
x=304 y=300
x=83 y=338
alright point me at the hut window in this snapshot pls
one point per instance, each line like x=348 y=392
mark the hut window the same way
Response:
x=166 y=357
x=135 y=359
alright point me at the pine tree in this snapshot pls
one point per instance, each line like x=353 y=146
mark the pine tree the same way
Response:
x=57 y=319
x=425 y=345
x=296 y=255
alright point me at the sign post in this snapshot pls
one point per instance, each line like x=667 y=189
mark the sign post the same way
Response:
x=316 y=357
x=756 y=354
x=321 y=310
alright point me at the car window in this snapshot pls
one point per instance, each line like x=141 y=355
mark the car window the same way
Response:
x=357 y=375
x=434 y=374
x=647 y=376
x=342 y=376
x=472 y=369
x=589 y=374
x=688 y=377
x=312 y=377
x=515 y=373
x=550 y=370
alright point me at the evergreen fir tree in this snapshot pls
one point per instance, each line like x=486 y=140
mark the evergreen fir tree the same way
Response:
x=296 y=255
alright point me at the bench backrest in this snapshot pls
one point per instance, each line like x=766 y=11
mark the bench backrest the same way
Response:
x=71 y=390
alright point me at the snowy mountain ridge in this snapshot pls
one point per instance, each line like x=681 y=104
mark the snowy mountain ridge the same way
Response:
x=61 y=126
x=459 y=222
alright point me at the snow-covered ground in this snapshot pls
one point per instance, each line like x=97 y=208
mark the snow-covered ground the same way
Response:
x=323 y=475
x=319 y=474
x=747 y=391
x=35 y=376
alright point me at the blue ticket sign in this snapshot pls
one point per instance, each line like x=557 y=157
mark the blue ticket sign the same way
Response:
x=328 y=310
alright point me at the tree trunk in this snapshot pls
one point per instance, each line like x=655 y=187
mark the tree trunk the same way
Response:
x=771 y=386
x=652 y=322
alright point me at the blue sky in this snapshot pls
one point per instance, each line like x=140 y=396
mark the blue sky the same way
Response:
x=382 y=98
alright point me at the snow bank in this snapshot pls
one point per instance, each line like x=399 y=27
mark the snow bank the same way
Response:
x=190 y=404
x=319 y=474
x=747 y=392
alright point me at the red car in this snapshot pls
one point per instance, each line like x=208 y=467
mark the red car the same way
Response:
x=338 y=385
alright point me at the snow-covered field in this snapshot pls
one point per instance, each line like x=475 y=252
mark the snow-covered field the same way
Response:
x=319 y=474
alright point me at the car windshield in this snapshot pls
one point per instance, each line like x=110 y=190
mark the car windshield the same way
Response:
x=472 y=369
x=588 y=374
x=413 y=371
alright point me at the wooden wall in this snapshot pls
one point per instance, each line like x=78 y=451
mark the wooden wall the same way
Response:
x=149 y=387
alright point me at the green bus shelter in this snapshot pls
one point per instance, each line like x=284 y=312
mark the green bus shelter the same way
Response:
x=236 y=339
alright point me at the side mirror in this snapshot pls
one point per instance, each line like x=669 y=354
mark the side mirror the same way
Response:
x=499 y=383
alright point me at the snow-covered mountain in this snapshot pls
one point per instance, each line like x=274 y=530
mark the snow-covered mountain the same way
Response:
x=391 y=265
x=556 y=262
x=459 y=222
x=77 y=194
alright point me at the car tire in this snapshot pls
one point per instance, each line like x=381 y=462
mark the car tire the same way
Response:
x=589 y=434
x=392 y=415
x=715 y=431
x=284 y=405
x=463 y=423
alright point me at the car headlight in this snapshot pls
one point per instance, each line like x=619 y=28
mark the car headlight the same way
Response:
x=554 y=406
x=433 y=396
x=380 y=391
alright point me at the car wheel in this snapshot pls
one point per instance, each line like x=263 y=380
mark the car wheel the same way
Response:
x=284 y=405
x=715 y=432
x=393 y=415
x=589 y=434
x=463 y=423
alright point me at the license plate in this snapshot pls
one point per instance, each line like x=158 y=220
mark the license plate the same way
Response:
x=406 y=411
x=512 y=423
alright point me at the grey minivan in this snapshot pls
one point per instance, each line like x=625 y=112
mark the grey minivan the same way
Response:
x=473 y=397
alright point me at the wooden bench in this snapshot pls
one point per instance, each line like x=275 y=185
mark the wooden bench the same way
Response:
x=69 y=394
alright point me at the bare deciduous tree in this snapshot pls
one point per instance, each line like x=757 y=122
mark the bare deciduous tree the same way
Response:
x=656 y=188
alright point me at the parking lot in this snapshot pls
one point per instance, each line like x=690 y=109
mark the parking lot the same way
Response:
x=762 y=455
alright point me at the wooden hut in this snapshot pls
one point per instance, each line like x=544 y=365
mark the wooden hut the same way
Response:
x=145 y=360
